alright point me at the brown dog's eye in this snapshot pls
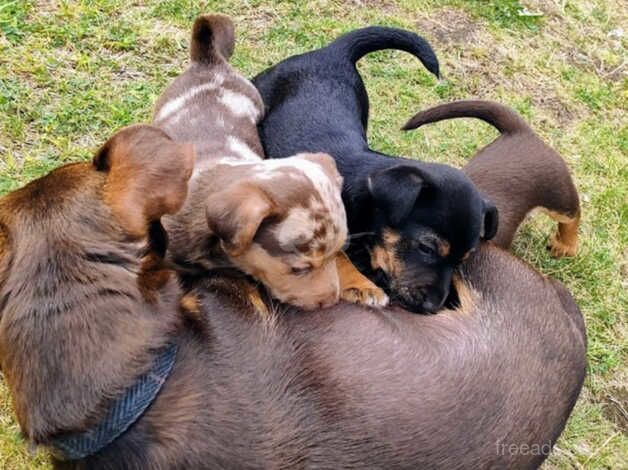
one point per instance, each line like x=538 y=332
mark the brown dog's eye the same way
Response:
x=301 y=271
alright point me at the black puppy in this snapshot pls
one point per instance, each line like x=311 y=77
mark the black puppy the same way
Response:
x=423 y=218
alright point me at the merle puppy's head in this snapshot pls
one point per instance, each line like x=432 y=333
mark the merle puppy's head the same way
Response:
x=428 y=217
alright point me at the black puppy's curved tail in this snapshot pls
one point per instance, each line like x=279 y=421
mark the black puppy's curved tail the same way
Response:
x=504 y=119
x=356 y=44
x=213 y=38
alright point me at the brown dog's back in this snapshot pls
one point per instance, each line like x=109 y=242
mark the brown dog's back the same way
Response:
x=87 y=301
x=517 y=171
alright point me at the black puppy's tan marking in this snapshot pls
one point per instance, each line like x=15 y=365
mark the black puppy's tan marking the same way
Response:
x=317 y=102
x=518 y=172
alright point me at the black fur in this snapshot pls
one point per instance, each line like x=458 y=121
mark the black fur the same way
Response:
x=317 y=102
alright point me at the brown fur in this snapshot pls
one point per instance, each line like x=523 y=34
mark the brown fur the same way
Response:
x=131 y=192
x=237 y=198
x=221 y=40
x=345 y=387
x=518 y=172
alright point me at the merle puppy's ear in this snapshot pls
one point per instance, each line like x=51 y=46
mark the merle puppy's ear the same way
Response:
x=396 y=189
x=491 y=220
x=147 y=175
x=235 y=214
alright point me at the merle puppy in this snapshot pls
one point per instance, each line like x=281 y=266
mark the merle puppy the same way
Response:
x=422 y=218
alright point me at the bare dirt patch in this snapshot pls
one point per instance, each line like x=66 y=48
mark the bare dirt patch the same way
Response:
x=615 y=401
x=386 y=6
x=449 y=26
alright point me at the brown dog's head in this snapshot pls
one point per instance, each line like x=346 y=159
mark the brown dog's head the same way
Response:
x=84 y=299
x=283 y=222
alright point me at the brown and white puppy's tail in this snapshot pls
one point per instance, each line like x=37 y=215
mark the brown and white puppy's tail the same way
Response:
x=518 y=172
x=504 y=119
x=213 y=38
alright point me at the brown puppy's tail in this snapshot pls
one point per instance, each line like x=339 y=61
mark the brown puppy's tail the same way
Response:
x=499 y=116
x=213 y=38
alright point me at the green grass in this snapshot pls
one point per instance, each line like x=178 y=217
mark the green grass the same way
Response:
x=73 y=72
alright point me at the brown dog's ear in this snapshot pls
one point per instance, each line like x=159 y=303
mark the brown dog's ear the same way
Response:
x=235 y=214
x=491 y=221
x=147 y=175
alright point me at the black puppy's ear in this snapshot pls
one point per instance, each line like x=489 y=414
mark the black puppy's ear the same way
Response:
x=396 y=189
x=491 y=220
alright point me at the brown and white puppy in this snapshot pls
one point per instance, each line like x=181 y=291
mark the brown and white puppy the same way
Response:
x=86 y=303
x=282 y=222
x=518 y=172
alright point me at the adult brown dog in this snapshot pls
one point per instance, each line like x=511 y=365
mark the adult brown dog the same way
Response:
x=282 y=222
x=87 y=309
x=518 y=172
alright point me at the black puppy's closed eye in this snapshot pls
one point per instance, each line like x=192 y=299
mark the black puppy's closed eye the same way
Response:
x=426 y=249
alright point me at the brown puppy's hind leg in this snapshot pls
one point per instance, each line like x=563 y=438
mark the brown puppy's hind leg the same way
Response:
x=565 y=241
x=355 y=287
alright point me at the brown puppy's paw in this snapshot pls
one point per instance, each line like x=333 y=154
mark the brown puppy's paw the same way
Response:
x=558 y=248
x=368 y=294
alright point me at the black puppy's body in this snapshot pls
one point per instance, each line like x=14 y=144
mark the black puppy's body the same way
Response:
x=423 y=218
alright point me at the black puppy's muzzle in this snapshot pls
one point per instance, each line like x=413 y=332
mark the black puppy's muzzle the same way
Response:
x=415 y=296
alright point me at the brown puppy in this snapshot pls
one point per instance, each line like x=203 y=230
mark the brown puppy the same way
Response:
x=518 y=172
x=89 y=315
x=282 y=221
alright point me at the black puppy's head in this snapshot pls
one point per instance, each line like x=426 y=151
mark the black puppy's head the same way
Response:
x=428 y=217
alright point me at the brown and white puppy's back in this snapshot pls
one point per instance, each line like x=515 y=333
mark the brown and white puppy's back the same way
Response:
x=518 y=172
x=295 y=207
x=211 y=105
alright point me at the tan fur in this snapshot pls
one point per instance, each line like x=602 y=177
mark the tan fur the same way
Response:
x=564 y=242
x=355 y=287
x=444 y=248
x=384 y=257
x=133 y=194
x=467 y=298
x=322 y=283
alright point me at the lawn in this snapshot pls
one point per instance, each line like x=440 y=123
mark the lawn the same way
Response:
x=71 y=73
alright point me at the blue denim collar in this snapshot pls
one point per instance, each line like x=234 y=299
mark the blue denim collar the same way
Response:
x=123 y=412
